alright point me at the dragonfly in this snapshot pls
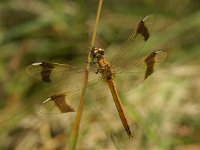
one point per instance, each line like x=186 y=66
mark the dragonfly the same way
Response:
x=126 y=69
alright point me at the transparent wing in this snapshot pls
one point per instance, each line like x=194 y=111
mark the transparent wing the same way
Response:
x=46 y=71
x=57 y=104
x=131 y=50
x=137 y=72
x=66 y=102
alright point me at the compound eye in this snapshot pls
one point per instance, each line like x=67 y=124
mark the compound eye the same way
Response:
x=101 y=51
x=93 y=51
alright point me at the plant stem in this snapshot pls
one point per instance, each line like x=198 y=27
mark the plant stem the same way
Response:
x=75 y=129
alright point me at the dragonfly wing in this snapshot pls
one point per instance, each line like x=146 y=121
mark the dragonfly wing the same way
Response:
x=140 y=70
x=133 y=47
x=46 y=71
x=56 y=104
x=65 y=102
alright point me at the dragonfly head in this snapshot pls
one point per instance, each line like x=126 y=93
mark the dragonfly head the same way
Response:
x=97 y=52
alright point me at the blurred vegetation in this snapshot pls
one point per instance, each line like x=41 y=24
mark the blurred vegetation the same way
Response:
x=163 y=112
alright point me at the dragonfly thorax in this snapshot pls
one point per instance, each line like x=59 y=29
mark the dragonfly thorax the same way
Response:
x=106 y=72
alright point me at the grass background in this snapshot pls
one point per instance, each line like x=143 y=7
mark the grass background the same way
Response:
x=163 y=112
